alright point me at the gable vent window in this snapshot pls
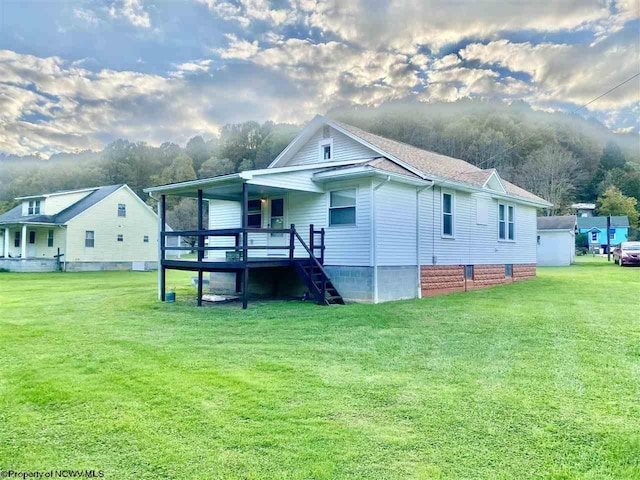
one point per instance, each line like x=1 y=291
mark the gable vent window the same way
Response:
x=50 y=239
x=120 y=238
x=326 y=150
x=342 y=207
x=506 y=222
x=122 y=210
x=89 y=237
x=447 y=214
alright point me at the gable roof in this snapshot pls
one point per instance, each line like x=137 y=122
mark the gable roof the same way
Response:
x=618 y=221
x=421 y=163
x=564 y=222
x=15 y=214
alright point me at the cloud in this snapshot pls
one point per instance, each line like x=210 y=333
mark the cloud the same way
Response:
x=238 y=49
x=131 y=10
x=246 y=11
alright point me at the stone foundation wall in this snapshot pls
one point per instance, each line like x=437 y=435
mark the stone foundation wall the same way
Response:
x=439 y=279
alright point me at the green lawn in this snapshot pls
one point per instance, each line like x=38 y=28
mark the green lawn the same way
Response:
x=535 y=379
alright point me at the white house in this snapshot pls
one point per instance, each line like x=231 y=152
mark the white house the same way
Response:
x=395 y=221
x=557 y=240
x=101 y=228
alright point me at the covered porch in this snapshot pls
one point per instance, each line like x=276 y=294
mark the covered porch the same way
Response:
x=33 y=247
x=255 y=236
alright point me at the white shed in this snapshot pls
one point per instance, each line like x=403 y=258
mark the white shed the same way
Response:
x=556 y=241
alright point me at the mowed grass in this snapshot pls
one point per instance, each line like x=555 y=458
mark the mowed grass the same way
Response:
x=535 y=379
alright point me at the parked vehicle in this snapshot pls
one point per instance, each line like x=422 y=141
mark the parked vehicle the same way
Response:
x=627 y=253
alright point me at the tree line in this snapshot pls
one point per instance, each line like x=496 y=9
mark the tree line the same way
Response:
x=559 y=157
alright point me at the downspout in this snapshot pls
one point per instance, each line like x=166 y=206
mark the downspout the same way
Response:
x=419 y=190
x=374 y=235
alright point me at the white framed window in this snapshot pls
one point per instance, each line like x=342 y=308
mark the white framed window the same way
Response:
x=122 y=210
x=50 y=239
x=120 y=237
x=34 y=207
x=254 y=212
x=612 y=233
x=326 y=149
x=342 y=207
x=448 y=209
x=89 y=239
x=506 y=222
x=594 y=237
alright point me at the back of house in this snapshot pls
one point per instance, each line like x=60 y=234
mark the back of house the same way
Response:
x=399 y=222
x=100 y=228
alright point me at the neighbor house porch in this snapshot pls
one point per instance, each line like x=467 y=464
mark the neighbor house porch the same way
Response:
x=31 y=247
x=253 y=233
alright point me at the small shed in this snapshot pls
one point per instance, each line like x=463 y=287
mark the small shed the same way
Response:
x=556 y=241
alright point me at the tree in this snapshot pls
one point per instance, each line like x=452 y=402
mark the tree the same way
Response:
x=197 y=149
x=613 y=202
x=612 y=156
x=215 y=167
x=180 y=170
x=184 y=216
x=548 y=172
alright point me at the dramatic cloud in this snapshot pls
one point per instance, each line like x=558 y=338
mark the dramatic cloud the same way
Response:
x=79 y=75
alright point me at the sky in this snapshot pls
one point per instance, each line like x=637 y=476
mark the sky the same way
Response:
x=76 y=75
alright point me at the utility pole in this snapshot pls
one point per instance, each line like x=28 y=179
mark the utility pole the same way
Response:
x=608 y=238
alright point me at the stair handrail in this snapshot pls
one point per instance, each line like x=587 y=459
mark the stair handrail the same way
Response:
x=311 y=255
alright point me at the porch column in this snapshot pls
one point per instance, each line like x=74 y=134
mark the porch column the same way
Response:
x=162 y=215
x=23 y=242
x=200 y=246
x=6 y=242
x=245 y=242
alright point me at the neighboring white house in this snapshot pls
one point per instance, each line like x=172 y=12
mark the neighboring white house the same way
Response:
x=99 y=228
x=557 y=240
x=400 y=222
x=584 y=209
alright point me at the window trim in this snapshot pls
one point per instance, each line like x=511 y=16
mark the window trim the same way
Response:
x=33 y=207
x=50 y=236
x=17 y=239
x=354 y=206
x=251 y=212
x=444 y=192
x=92 y=239
x=124 y=210
x=506 y=238
x=323 y=143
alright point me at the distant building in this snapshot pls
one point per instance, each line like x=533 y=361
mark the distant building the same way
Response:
x=584 y=209
x=596 y=230
x=101 y=228
x=556 y=241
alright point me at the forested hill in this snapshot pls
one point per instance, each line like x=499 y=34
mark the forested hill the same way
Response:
x=560 y=157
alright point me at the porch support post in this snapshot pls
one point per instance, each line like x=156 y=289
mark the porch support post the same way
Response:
x=162 y=216
x=6 y=242
x=245 y=242
x=23 y=242
x=201 y=246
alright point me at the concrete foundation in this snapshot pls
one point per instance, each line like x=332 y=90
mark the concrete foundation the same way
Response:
x=397 y=283
x=107 y=266
x=29 y=265
x=355 y=284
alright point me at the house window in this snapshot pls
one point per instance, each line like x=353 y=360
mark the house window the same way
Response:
x=447 y=214
x=612 y=233
x=508 y=270
x=594 y=237
x=122 y=210
x=538 y=239
x=32 y=237
x=50 y=239
x=255 y=213
x=468 y=272
x=326 y=149
x=120 y=238
x=34 y=207
x=146 y=239
x=506 y=222
x=342 y=207
x=89 y=238
x=16 y=240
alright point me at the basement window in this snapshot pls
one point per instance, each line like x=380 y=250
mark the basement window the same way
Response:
x=342 y=207
x=468 y=272
x=508 y=270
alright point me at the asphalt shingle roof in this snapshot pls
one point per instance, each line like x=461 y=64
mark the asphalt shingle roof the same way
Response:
x=565 y=222
x=620 y=221
x=15 y=214
x=431 y=163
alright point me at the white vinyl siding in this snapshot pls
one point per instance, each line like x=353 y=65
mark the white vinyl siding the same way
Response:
x=395 y=217
x=343 y=148
x=474 y=243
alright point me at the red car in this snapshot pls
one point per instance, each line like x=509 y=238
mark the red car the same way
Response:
x=627 y=253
